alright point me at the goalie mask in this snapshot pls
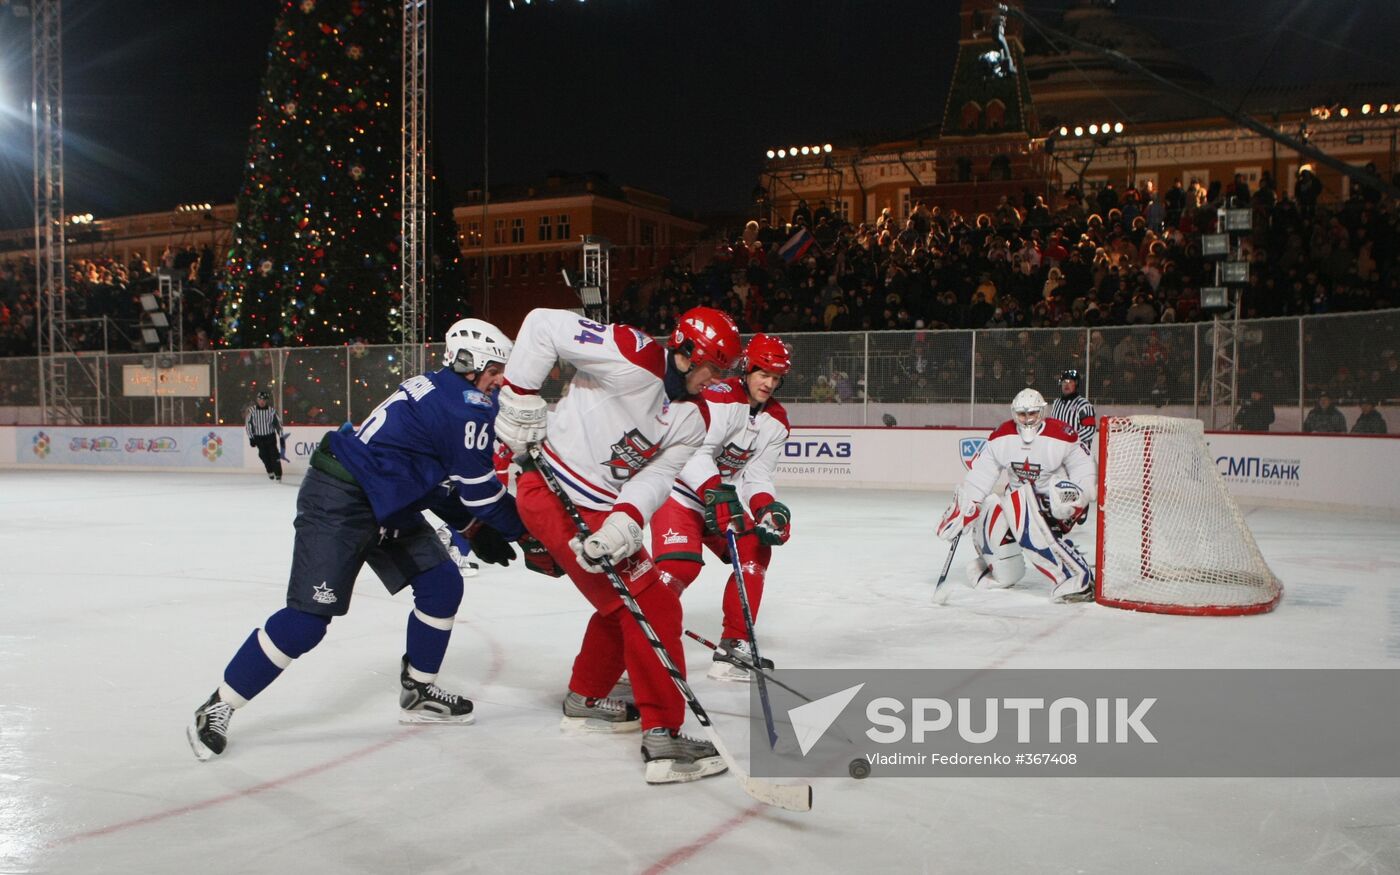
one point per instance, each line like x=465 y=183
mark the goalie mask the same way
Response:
x=1028 y=410
x=473 y=344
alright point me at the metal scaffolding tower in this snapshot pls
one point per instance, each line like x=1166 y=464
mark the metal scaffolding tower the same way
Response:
x=46 y=113
x=593 y=291
x=413 y=186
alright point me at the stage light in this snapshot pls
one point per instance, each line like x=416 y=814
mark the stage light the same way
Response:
x=826 y=148
x=805 y=150
x=1344 y=112
x=782 y=153
x=1384 y=107
x=1365 y=109
x=1078 y=131
x=1118 y=128
x=771 y=153
x=1093 y=129
x=1064 y=131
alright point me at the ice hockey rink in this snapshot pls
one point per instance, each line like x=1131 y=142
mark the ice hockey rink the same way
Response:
x=124 y=594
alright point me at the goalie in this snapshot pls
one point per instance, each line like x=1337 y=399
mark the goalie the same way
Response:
x=1051 y=478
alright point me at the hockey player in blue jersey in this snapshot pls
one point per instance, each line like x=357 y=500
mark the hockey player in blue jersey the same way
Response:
x=361 y=502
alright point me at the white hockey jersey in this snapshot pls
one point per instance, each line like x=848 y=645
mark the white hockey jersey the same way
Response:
x=615 y=440
x=1038 y=463
x=740 y=447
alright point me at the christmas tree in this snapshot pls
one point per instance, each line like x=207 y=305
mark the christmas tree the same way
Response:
x=315 y=255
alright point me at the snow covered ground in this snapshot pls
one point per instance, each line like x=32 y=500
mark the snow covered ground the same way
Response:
x=123 y=595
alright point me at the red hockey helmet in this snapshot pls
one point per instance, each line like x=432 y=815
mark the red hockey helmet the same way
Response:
x=707 y=336
x=769 y=353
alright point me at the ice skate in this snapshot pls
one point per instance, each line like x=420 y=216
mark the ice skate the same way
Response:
x=673 y=758
x=599 y=715
x=208 y=732
x=429 y=703
x=729 y=668
x=1079 y=588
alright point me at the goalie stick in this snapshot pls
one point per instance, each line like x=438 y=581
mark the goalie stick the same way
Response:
x=753 y=640
x=943 y=577
x=793 y=797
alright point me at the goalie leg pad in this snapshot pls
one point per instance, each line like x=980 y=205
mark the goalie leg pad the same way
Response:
x=1008 y=566
x=1069 y=573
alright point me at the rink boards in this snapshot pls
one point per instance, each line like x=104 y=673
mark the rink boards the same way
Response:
x=1287 y=469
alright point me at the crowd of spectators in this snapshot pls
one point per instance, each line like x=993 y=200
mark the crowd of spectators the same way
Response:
x=103 y=307
x=1124 y=265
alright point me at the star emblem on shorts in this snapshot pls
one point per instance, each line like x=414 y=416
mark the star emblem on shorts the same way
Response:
x=322 y=594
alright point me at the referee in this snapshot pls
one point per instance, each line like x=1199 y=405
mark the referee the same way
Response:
x=1074 y=409
x=263 y=433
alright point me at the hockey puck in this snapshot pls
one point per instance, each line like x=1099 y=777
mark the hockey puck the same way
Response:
x=860 y=768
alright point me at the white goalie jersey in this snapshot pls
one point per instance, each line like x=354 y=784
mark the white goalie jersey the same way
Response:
x=1038 y=463
x=741 y=448
x=615 y=439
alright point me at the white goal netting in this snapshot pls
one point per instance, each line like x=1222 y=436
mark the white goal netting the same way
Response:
x=1170 y=537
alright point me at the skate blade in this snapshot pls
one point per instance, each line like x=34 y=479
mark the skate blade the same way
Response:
x=723 y=671
x=1074 y=597
x=468 y=571
x=429 y=717
x=598 y=725
x=677 y=772
x=202 y=752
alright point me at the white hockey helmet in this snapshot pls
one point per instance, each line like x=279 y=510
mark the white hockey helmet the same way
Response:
x=1028 y=409
x=472 y=344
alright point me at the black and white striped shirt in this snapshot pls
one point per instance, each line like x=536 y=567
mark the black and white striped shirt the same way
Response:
x=1076 y=412
x=262 y=421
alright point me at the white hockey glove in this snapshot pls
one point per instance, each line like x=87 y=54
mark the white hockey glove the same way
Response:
x=521 y=420
x=1067 y=500
x=957 y=517
x=617 y=538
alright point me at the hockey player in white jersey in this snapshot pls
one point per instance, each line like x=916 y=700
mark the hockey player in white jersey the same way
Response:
x=1051 y=481
x=631 y=420
x=733 y=470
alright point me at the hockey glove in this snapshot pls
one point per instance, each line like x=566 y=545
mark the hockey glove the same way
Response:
x=617 y=538
x=488 y=545
x=537 y=558
x=1067 y=500
x=521 y=420
x=774 y=523
x=958 y=517
x=722 y=508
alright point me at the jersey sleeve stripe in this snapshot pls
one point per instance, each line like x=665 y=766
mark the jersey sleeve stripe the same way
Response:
x=469 y=480
x=482 y=502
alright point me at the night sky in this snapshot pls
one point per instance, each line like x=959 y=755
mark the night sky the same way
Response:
x=678 y=96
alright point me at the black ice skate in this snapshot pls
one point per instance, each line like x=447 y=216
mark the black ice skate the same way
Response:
x=208 y=732
x=582 y=714
x=673 y=758
x=732 y=659
x=429 y=703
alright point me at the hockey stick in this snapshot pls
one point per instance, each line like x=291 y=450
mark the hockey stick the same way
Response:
x=747 y=663
x=947 y=564
x=793 y=797
x=753 y=640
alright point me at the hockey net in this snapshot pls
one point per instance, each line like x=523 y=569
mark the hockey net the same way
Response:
x=1170 y=537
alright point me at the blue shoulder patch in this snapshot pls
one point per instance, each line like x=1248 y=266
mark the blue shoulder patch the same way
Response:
x=476 y=398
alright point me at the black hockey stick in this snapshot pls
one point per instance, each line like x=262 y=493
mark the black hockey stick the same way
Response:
x=793 y=797
x=947 y=564
x=744 y=660
x=753 y=640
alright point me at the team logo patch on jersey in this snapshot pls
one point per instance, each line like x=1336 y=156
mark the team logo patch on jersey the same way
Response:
x=968 y=448
x=630 y=454
x=641 y=339
x=1025 y=472
x=479 y=399
x=721 y=387
x=732 y=459
x=671 y=536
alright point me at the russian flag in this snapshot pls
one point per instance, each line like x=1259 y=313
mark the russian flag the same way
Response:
x=796 y=246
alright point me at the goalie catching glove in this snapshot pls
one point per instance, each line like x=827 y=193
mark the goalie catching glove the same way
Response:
x=1067 y=501
x=722 y=507
x=774 y=524
x=617 y=538
x=521 y=420
x=958 y=517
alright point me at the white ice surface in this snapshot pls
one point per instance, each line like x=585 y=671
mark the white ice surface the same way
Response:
x=123 y=595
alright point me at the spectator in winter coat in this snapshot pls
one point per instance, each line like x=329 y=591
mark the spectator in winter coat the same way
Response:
x=1256 y=414
x=1324 y=418
x=1369 y=421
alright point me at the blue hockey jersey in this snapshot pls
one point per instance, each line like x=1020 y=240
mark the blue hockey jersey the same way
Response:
x=434 y=430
